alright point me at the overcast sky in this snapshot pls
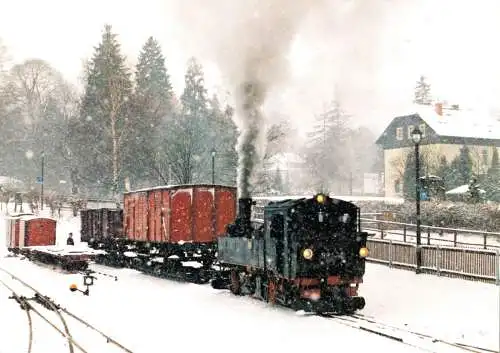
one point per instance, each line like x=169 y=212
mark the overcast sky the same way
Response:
x=373 y=53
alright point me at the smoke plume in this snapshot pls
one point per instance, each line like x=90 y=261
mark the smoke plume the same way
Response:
x=250 y=41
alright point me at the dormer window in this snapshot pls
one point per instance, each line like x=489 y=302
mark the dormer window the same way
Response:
x=399 y=133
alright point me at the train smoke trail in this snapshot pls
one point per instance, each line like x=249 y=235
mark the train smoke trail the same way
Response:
x=250 y=41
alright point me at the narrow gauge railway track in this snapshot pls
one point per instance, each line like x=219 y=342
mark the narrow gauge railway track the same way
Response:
x=39 y=301
x=405 y=336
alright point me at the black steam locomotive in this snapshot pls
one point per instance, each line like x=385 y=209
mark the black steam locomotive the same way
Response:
x=308 y=254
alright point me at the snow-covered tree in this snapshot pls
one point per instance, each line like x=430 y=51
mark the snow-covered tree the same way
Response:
x=104 y=117
x=422 y=94
x=152 y=106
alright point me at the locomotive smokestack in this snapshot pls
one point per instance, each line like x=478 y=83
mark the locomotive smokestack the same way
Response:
x=245 y=211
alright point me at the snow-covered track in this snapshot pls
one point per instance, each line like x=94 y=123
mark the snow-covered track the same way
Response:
x=38 y=301
x=405 y=336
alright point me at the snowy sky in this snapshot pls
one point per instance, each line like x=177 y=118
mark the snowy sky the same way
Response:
x=374 y=55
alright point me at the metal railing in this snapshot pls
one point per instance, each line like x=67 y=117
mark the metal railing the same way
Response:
x=467 y=263
x=456 y=237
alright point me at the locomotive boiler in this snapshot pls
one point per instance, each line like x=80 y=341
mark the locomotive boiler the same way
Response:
x=308 y=254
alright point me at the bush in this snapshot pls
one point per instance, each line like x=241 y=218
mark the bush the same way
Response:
x=442 y=214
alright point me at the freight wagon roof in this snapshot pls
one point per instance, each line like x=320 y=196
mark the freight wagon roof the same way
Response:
x=32 y=217
x=29 y=217
x=180 y=186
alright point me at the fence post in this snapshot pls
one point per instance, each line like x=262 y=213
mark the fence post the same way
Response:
x=485 y=236
x=404 y=233
x=497 y=264
x=428 y=236
x=438 y=260
x=390 y=253
x=455 y=238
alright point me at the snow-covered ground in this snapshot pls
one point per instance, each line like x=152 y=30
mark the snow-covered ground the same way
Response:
x=147 y=314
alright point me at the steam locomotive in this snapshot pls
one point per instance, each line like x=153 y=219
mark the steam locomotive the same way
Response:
x=309 y=254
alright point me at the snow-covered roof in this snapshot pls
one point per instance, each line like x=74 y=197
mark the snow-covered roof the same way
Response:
x=458 y=123
x=463 y=189
x=5 y=180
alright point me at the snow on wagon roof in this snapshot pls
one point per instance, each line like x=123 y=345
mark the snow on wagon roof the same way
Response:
x=458 y=123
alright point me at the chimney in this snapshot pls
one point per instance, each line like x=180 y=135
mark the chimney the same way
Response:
x=438 y=108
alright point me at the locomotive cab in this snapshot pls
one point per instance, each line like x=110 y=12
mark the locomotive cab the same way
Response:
x=317 y=243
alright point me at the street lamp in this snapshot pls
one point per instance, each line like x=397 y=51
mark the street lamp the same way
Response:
x=42 y=181
x=416 y=136
x=213 y=165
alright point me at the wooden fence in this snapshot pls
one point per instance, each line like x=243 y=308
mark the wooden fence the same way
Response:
x=430 y=235
x=467 y=263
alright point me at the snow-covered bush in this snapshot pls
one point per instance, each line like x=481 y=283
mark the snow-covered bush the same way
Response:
x=442 y=214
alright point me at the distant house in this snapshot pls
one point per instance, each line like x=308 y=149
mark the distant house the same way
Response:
x=445 y=130
x=9 y=182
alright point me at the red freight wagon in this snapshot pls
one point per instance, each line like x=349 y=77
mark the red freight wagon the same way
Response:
x=172 y=230
x=28 y=230
x=181 y=213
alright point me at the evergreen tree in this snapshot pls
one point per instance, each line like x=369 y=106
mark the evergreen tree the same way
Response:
x=461 y=168
x=474 y=194
x=152 y=104
x=188 y=146
x=103 y=128
x=444 y=171
x=422 y=93
x=223 y=132
x=409 y=187
x=326 y=154
x=493 y=178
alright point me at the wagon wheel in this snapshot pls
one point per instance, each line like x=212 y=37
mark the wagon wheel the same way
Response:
x=235 y=286
x=271 y=291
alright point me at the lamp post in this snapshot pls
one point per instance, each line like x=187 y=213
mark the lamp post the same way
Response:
x=42 y=181
x=213 y=165
x=416 y=136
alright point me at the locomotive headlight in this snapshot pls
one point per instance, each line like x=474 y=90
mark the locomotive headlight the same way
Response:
x=308 y=254
x=363 y=252
x=320 y=198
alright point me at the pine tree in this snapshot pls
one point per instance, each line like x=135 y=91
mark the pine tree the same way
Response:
x=409 y=187
x=327 y=147
x=493 y=178
x=461 y=167
x=152 y=104
x=188 y=146
x=223 y=132
x=474 y=194
x=444 y=171
x=422 y=93
x=103 y=118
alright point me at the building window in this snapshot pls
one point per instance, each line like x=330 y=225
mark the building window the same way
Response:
x=422 y=129
x=399 y=133
x=410 y=130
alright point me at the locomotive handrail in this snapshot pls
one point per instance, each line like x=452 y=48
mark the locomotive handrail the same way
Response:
x=460 y=230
